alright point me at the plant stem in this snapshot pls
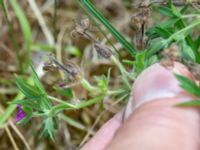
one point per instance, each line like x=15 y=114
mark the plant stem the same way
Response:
x=122 y=70
x=89 y=102
x=195 y=23
x=77 y=106
x=61 y=101
x=87 y=85
x=191 y=15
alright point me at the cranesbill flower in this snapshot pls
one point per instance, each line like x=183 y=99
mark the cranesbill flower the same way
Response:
x=20 y=114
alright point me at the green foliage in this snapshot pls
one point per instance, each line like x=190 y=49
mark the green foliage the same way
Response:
x=188 y=85
x=67 y=92
x=26 y=29
x=36 y=102
x=49 y=126
x=28 y=117
x=191 y=87
x=39 y=103
x=187 y=52
x=165 y=11
x=175 y=29
x=190 y=103
x=73 y=50
x=98 y=15
x=42 y=47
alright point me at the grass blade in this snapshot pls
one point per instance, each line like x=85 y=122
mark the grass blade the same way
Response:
x=25 y=27
x=190 y=103
x=98 y=15
x=188 y=85
x=37 y=81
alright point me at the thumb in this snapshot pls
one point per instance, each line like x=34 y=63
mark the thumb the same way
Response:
x=156 y=124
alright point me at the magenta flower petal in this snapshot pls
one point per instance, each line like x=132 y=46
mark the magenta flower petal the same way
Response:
x=20 y=114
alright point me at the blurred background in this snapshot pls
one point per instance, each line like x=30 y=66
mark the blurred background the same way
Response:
x=30 y=30
x=51 y=23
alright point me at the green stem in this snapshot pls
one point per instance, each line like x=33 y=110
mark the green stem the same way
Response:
x=184 y=30
x=87 y=85
x=62 y=102
x=89 y=102
x=191 y=15
x=122 y=70
x=65 y=105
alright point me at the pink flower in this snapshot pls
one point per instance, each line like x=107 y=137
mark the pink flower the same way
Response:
x=20 y=115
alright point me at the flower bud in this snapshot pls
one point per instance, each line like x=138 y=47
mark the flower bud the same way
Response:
x=103 y=50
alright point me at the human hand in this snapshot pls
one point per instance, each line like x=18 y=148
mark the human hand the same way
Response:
x=153 y=122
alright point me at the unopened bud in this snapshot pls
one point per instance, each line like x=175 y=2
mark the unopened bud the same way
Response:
x=74 y=34
x=85 y=23
x=103 y=50
x=71 y=70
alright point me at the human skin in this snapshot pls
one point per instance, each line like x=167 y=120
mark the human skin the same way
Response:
x=152 y=119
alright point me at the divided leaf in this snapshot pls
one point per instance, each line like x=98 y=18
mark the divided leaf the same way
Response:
x=188 y=85
x=27 y=89
x=37 y=81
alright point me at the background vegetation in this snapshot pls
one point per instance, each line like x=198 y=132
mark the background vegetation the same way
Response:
x=68 y=66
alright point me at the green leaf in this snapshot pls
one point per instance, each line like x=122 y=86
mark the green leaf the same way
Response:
x=188 y=85
x=165 y=11
x=168 y=26
x=156 y=46
x=124 y=93
x=42 y=47
x=170 y=3
x=11 y=108
x=181 y=25
x=184 y=8
x=98 y=15
x=186 y=52
x=162 y=32
x=175 y=11
x=49 y=126
x=37 y=82
x=197 y=43
x=25 y=26
x=27 y=89
x=30 y=103
x=139 y=64
x=190 y=103
x=65 y=92
x=73 y=50
x=173 y=8
x=102 y=82
x=152 y=60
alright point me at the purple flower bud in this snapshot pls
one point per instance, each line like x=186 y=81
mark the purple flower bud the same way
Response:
x=20 y=114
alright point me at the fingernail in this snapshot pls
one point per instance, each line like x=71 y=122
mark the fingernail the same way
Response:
x=154 y=83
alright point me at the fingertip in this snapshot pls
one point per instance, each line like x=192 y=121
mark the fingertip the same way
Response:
x=104 y=136
x=156 y=82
